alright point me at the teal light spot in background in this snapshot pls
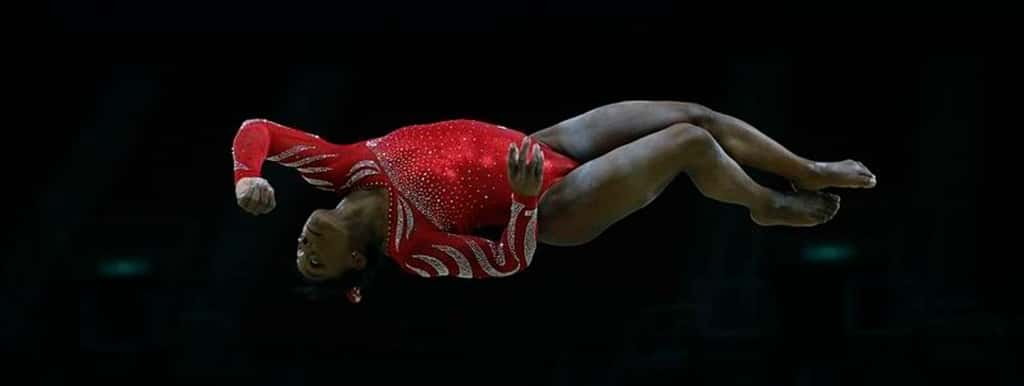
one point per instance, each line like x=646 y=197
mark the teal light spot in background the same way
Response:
x=124 y=267
x=827 y=253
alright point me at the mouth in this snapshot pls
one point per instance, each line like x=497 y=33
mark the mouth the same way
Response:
x=302 y=270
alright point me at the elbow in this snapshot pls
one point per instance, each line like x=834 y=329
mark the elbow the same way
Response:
x=251 y=122
x=255 y=126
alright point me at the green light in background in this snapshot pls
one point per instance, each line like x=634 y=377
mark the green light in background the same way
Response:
x=828 y=253
x=123 y=267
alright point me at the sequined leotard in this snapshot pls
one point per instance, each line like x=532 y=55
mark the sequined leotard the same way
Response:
x=444 y=180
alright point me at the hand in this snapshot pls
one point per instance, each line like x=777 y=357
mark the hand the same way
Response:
x=255 y=195
x=525 y=178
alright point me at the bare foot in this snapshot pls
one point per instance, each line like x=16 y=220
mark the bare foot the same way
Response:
x=798 y=209
x=842 y=174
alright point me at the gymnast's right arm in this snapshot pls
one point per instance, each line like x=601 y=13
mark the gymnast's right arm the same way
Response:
x=255 y=139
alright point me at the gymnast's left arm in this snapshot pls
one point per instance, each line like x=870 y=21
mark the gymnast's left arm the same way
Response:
x=438 y=254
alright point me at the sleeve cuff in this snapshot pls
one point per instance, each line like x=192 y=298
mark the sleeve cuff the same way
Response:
x=240 y=174
x=529 y=201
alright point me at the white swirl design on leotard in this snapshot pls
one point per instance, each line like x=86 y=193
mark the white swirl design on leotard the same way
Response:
x=439 y=267
x=530 y=244
x=465 y=271
x=358 y=176
x=363 y=164
x=498 y=250
x=290 y=152
x=516 y=208
x=418 y=271
x=316 y=182
x=318 y=169
x=409 y=220
x=308 y=160
x=418 y=200
x=485 y=264
x=400 y=223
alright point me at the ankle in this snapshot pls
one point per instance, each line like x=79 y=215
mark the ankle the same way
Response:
x=809 y=171
x=767 y=200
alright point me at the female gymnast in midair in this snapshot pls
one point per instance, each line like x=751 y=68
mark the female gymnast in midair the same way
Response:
x=417 y=194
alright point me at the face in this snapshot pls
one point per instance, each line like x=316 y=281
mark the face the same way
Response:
x=324 y=250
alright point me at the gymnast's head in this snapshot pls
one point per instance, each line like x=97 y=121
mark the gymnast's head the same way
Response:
x=328 y=246
x=341 y=247
x=338 y=250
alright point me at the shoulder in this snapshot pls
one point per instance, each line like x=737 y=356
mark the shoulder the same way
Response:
x=463 y=122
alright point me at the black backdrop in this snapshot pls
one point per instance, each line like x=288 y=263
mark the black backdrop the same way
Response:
x=131 y=261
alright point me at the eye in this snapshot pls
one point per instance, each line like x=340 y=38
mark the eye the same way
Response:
x=314 y=261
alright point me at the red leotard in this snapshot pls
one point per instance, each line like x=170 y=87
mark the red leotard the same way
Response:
x=444 y=180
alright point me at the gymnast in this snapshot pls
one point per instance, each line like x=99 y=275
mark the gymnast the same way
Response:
x=416 y=195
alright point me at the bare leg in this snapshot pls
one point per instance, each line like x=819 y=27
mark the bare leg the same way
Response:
x=753 y=148
x=600 y=130
x=604 y=190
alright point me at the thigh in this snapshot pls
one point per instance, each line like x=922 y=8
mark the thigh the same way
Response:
x=602 y=191
x=598 y=131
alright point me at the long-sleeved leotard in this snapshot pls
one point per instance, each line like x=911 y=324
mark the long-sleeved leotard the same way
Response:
x=444 y=181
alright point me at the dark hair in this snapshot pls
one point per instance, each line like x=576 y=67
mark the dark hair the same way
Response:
x=339 y=288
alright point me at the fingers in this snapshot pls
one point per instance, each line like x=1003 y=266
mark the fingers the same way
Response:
x=264 y=206
x=538 y=162
x=517 y=157
x=513 y=160
x=256 y=198
x=525 y=166
x=245 y=200
x=272 y=202
x=524 y=151
x=253 y=203
x=265 y=201
x=257 y=203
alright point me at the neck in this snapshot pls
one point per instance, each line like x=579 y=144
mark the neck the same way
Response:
x=365 y=214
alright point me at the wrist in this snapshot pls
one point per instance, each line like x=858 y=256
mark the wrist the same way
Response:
x=530 y=201
x=243 y=174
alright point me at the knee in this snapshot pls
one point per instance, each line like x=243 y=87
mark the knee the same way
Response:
x=668 y=110
x=690 y=139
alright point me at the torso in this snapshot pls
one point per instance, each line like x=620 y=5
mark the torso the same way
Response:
x=454 y=172
x=449 y=176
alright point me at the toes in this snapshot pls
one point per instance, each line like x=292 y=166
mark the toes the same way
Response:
x=830 y=207
x=824 y=216
x=866 y=180
x=830 y=199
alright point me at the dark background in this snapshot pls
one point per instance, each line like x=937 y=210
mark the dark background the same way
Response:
x=131 y=169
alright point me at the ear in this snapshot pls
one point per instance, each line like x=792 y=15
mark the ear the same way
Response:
x=359 y=260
